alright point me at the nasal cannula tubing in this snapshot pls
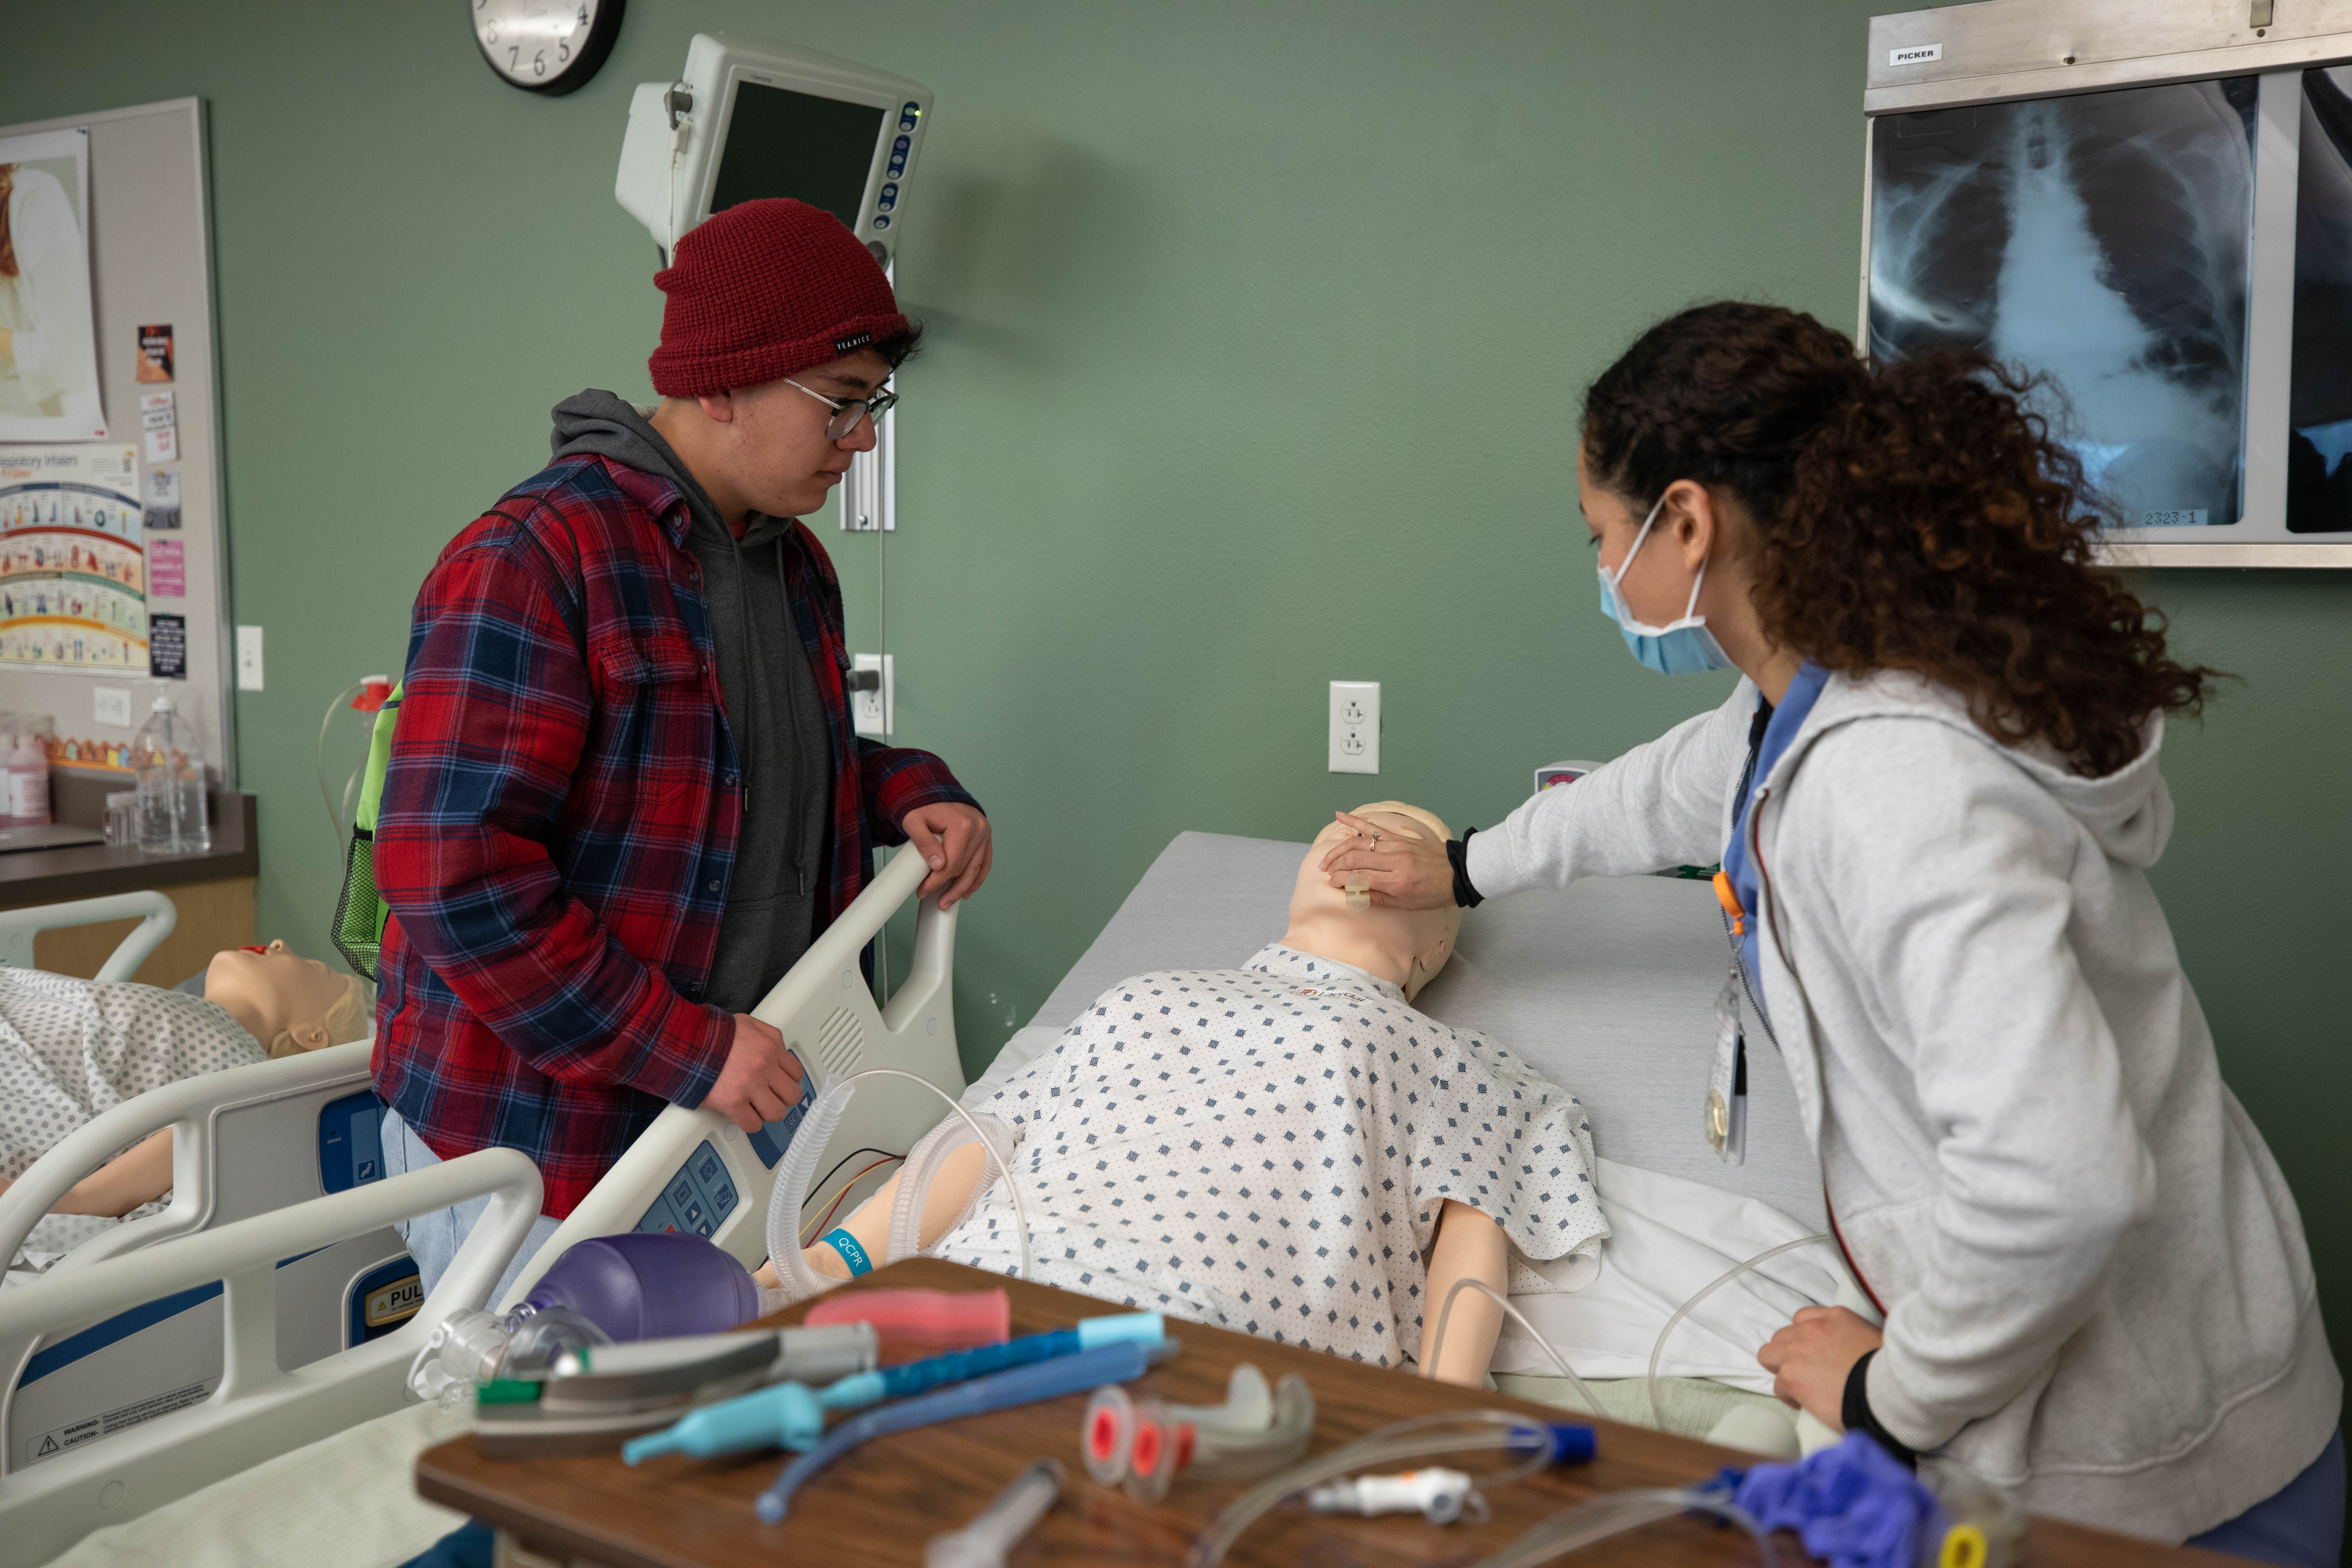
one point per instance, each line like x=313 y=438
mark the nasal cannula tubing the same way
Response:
x=1658 y=1350
x=1414 y=1438
x=790 y=1226
x=1437 y=1337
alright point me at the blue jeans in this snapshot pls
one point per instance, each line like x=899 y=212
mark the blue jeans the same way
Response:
x=434 y=1238
x=2299 y=1526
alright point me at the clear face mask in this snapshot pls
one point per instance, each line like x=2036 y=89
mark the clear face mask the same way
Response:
x=1684 y=648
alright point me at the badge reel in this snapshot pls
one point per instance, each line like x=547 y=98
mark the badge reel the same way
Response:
x=1726 y=1116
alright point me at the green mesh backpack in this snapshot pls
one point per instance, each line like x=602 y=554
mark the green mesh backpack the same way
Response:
x=360 y=914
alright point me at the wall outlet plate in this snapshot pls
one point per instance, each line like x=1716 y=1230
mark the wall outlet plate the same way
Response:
x=1355 y=736
x=111 y=705
x=248 y=658
x=876 y=713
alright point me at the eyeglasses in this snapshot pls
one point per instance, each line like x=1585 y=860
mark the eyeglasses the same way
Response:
x=847 y=412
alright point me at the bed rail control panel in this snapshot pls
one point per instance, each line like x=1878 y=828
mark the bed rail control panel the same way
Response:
x=351 y=1141
x=701 y=1195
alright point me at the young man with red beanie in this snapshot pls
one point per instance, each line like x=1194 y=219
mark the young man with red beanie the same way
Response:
x=625 y=792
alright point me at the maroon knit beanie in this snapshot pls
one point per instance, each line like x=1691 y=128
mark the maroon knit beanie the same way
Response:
x=761 y=291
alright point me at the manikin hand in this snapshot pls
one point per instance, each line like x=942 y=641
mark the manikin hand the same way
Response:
x=954 y=841
x=1811 y=1358
x=761 y=1079
x=1408 y=872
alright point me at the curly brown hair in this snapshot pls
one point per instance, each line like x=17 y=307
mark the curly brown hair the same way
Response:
x=1914 y=516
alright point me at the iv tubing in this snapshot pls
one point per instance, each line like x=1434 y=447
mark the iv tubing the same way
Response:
x=1437 y=1337
x=784 y=1215
x=1658 y=1350
x=1614 y=1514
x=1414 y=1438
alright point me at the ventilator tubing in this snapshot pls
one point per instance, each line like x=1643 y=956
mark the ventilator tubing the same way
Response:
x=1658 y=1347
x=808 y=1145
x=1437 y=1337
x=922 y=1168
x=1536 y=1442
x=1614 y=1514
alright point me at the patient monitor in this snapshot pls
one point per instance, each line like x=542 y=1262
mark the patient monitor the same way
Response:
x=750 y=118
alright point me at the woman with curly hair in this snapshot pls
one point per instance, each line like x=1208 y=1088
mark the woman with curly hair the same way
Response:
x=1936 y=798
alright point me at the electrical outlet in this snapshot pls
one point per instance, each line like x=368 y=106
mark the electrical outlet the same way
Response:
x=111 y=705
x=248 y=658
x=876 y=711
x=1355 y=726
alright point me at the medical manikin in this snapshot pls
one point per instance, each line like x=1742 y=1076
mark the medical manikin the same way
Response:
x=70 y=1049
x=1287 y=1148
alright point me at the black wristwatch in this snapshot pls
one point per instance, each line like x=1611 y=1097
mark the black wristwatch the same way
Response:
x=1853 y=1410
x=1457 y=855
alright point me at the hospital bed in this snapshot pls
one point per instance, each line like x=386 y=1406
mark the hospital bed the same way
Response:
x=1606 y=987
x=246 y=1142
x=134 y=1347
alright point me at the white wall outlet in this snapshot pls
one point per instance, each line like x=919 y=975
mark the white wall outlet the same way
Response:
x=1355 y=726
x=111 y=705
x=876 y=712
x=248 y=658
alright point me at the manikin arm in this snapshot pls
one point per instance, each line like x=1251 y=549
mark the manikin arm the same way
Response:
x=950 y=1190
x=1469 y=1246
x=140 y=1174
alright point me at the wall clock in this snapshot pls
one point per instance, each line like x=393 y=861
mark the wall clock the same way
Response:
x=546 y=46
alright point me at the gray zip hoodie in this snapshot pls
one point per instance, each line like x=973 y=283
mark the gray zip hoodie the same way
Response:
x=775 y=711
x=2095 y=1281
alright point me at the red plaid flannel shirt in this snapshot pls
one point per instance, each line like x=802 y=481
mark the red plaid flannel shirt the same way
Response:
x=559 y=819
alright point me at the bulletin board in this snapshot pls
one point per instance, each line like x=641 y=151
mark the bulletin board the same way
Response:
x=113 y=558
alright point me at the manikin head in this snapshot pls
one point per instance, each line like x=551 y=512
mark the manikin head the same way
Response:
x=287 y=1001
x=1408 y=946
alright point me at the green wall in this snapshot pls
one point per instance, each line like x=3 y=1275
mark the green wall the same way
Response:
x=1256 y=335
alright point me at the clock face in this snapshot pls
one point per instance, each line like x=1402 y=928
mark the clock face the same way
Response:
x=545 y=45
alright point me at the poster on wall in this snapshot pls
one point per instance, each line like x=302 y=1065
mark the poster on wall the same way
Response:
x=48 y=347
x=73 y=590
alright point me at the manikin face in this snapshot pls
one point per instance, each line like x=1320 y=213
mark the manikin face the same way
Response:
x=1422 y=939
x=776 y=456
x=285 y=990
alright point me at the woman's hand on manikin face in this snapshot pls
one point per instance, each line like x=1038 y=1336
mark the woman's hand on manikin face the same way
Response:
x=1405 y=868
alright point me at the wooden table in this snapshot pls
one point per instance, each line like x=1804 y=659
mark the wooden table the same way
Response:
x=880 y=1503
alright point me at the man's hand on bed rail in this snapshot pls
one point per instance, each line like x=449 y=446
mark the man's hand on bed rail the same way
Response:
x=1407 y=871
x=953 y=839
x=761 y=1079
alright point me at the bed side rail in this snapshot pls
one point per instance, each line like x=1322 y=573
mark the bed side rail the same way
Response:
x=258 y=1411
x=155 y=913
x=193 y=1109
x=695 y=1170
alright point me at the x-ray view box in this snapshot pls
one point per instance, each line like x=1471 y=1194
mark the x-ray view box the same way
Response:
x=750 y=119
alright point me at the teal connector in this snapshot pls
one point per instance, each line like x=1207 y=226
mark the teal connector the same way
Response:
x=1143 y=1327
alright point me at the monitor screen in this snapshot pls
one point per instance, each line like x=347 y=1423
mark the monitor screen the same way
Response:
x=2319 y=405
x=785 y=144
x=2102 y=240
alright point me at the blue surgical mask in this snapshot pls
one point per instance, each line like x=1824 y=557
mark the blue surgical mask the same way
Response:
x=1685 y=647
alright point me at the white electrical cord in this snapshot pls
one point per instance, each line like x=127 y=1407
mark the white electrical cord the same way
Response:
x=1437 y=1337
x=1657 y=1413
x=790 y=1195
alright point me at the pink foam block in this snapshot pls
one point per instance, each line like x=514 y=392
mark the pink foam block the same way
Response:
x=942 y=1320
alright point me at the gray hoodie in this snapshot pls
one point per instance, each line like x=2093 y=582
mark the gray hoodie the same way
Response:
x=774 y=713
x=2095 y=1281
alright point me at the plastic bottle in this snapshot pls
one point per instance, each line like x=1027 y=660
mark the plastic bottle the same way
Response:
x=28 y=782
x=171 y=784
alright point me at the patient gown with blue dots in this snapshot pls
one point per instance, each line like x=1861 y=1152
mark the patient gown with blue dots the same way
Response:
x=1267 y=1148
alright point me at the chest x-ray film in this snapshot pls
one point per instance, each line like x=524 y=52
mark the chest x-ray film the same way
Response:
x=2100 y=239
x=2319 y=404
